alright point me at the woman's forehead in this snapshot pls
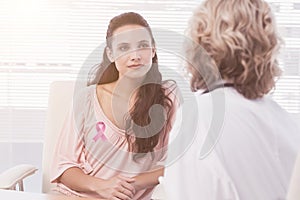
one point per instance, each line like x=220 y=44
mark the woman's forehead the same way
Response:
x=130 y=33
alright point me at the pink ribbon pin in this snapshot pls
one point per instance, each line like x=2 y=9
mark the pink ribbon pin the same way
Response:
x=100 y=127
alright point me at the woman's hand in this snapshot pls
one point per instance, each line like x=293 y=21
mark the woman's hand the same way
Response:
x=116 y=188
x=147 y=179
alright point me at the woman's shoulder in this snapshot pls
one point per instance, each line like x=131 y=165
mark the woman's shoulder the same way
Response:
x=83 y=95
x=83 y=91
x=170 y=87
x=105 y=88
x=169 y=84
x=173 y=93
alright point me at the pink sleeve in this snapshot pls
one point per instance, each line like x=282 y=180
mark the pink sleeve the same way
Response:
x=69 y=150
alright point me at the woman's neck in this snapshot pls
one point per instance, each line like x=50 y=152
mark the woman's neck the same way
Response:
x=125 y=86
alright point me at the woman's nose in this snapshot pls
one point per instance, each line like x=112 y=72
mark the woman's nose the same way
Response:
x=135 y=55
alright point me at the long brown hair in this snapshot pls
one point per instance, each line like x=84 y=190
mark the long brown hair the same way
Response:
x=152 y=92
x=241 y=38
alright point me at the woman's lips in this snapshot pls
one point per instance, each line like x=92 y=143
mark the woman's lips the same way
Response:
x=136 y=66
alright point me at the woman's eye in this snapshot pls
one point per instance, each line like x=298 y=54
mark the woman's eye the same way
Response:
x=123 y=48
x=144 y=45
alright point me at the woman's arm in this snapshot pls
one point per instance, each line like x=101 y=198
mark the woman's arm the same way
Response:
x=147 y=179
x=116 y=187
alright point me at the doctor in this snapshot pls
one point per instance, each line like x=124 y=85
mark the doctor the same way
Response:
x=240 y=145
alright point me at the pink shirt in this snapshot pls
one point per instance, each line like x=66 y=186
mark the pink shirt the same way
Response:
x=91 y=142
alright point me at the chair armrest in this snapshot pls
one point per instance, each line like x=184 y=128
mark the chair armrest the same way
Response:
x=11 y=177
x=294 y=187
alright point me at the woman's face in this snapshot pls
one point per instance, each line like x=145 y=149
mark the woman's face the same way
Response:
x=131 y=50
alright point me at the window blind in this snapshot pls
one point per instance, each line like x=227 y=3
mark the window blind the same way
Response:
x=287 y=91
x=46 y=40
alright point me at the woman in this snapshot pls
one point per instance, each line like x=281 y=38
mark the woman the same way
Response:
x=113 y=143
x=245 y=144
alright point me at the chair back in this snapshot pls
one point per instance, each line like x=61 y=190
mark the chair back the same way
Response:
x=294 y=188
x=60 y=96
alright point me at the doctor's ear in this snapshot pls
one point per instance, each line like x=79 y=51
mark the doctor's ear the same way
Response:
x=109 y=54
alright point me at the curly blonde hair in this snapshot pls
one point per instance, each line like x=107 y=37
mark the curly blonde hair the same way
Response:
x=240 y=37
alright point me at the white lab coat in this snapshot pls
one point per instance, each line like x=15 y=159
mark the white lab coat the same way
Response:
x=255 y=143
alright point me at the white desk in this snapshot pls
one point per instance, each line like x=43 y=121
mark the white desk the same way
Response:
x=16 y=195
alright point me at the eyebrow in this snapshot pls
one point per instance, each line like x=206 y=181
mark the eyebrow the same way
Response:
x=122 y=43
x=144 y=41
x=126 y=43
